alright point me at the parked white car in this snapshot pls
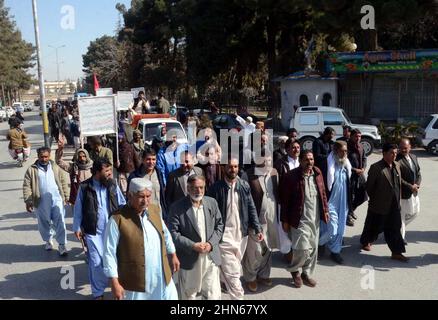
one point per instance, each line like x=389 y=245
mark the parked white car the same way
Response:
x=9 y=112
x=311 y=121
x=28 y=106
x=2 y=114
x=18 y=107
x=429 y=136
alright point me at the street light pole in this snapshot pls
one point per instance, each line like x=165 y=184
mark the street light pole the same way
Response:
x=40 y=76
x=57 y=67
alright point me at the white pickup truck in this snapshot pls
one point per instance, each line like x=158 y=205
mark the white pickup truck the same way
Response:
x=311 y=121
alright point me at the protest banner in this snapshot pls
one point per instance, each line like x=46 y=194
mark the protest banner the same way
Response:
x=124 y=100
x=135 y=91
x=104 y=92
x=97 y=115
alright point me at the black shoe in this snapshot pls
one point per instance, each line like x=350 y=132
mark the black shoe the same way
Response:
x=353 y=215
x=336 y=257
x=321 y=251
x=350 y=221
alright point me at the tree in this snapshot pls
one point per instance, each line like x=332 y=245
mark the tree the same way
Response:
x=16 y=57
x=155 y=27
x=106 y=58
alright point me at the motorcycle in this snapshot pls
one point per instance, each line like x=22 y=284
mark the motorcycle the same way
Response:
x=19 y=156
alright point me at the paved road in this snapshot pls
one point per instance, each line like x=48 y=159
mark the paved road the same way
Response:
x=29 y=272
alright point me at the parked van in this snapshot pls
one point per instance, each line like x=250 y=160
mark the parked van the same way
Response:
x=149 y=128
x=429 y=136
x=311 y=121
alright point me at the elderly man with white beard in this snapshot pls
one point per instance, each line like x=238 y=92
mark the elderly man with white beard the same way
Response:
x=196 y=226
x=338 y=180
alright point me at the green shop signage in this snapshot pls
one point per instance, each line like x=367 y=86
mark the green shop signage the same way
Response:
x=384 y=61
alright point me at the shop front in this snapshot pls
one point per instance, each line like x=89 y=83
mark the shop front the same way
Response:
x=389 y=86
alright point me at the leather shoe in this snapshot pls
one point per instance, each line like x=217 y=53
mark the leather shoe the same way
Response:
x=265 y=281
x=350 y=221
x=252 y=286
x=353 y=215
x=298 y=282
x=308 y=281
x=366 y=247
x=399 y=257
x=336 y=257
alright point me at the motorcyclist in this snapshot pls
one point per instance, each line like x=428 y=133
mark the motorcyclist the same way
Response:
x=18 y=141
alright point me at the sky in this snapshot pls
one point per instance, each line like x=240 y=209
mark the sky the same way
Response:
x=73 y=23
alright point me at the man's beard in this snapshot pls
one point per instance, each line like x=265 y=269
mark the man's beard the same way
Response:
x=105 y=181
x=342 y=162
x=231 y=176
x=197 y=197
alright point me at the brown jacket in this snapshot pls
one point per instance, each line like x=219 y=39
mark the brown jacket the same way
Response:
x=131 y=262
x=17 y=139
x=380 y=187
x=292 y=196
x=103 y=153
x=31 y=190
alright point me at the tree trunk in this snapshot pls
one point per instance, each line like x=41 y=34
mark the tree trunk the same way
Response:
x=3 y=95
x=368 y=42
x=273 y=105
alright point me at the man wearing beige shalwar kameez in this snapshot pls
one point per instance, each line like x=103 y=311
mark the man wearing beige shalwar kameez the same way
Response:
x=303 y=206
x=257 y=262
x=239 y=214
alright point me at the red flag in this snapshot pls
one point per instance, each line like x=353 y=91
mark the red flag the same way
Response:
x=96 y=83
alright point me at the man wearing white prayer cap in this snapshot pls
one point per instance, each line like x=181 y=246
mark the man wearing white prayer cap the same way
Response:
x=136 y=234
x=248 y=128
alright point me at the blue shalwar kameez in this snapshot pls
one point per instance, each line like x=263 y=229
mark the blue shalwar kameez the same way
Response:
x=333 y=232
x=98 y=280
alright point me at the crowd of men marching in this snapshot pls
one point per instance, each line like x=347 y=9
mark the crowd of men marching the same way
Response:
x=177 y=224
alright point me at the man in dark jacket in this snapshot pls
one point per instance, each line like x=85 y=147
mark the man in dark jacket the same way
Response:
x=97 y=199
x=346 y=134
x=384 y=190
x=321 y=150
x=291 y=160
x=411 y=180
x=238 y=214
x=149 y=171
x=196 y=227
x=176 y=187
x=128 y=162
x=303 y=206
x=55 y=119
x=358 y=160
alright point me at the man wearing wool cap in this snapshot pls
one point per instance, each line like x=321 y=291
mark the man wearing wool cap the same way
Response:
x=136 y=234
